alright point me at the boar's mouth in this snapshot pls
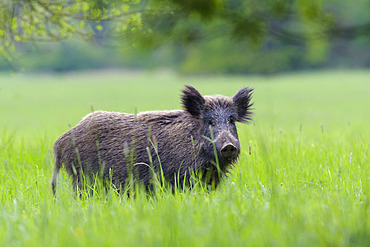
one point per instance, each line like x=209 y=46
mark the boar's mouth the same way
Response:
x=227 y=146
x=227 y=155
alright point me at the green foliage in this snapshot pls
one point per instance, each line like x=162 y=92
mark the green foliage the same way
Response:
x=43 y=20
x=299 y=20
x=222 y=56
x=233 y=36
x=302 y=184
x=74 y=55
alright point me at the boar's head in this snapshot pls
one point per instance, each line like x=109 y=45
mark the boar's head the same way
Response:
x=219 y=143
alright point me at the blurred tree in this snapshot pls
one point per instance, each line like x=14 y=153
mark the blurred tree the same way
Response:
x=55 y=20
x=152 y=23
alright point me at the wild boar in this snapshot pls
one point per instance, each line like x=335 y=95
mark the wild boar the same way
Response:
x=201 y=139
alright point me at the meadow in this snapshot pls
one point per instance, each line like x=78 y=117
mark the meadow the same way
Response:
x=305 y=182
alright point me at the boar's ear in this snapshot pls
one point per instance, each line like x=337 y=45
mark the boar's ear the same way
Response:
x=243 y=104
x=192 y=101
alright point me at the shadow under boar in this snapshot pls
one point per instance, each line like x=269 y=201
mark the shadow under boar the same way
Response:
x=201 y=139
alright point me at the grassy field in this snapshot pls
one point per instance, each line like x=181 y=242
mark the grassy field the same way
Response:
x=306 y=182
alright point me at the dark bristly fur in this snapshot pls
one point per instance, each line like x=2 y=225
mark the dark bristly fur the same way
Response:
x=115 y=145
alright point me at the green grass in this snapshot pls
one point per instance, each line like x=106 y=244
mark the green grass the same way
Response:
x=306 y=182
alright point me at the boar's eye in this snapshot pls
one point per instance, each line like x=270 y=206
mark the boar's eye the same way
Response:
x=231 y=120
x=211 y=122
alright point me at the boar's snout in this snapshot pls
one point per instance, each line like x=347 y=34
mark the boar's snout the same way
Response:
x=228 y=145
x=229 y=151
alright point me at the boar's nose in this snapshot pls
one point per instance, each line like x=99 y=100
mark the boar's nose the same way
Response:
x=229 y=151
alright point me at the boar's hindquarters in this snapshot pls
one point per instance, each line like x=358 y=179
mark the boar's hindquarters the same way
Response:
x=54 y=177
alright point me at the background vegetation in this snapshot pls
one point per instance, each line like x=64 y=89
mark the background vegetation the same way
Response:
x=194 y=37
x=305 y=183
